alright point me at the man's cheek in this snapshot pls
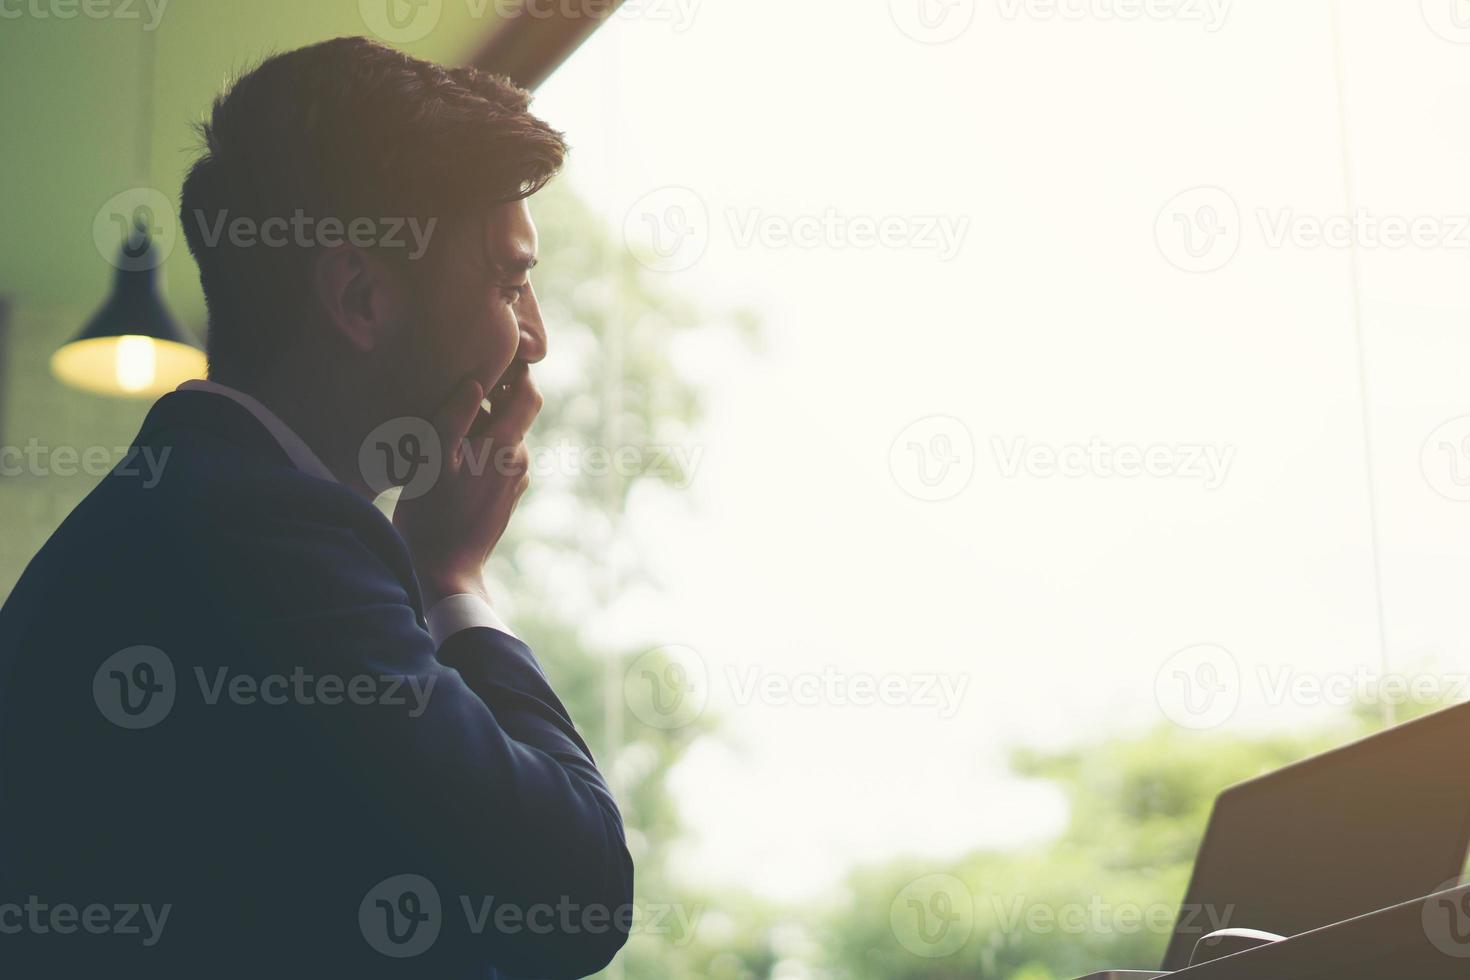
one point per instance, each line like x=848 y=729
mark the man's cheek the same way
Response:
x=501 y=334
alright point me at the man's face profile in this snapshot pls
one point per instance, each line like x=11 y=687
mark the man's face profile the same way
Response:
x=478 y=314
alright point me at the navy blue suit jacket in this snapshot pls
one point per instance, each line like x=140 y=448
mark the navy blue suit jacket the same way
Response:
x=218 y=697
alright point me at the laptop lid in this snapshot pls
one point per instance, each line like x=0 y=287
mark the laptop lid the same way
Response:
x=1381 y=821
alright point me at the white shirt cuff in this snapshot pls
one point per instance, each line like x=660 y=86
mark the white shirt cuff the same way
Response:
x=461 y=612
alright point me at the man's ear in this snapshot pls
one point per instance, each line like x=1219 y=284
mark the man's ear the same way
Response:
x=360 y=294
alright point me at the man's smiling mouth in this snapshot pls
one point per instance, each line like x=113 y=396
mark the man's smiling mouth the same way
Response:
x=502 y=386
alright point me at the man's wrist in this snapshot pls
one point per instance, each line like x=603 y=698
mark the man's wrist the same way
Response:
x=438 y=586
x=461 y=611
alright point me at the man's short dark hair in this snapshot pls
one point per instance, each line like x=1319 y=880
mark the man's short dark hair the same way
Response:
x=314 y=139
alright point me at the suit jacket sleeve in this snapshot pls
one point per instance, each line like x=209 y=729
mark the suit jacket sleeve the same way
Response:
x=482 y=767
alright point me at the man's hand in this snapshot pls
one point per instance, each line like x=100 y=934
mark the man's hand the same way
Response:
x=452 y=528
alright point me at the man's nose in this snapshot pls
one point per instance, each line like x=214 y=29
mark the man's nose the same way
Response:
x=533 y=332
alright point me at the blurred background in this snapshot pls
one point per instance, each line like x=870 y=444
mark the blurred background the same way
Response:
x=977 y=431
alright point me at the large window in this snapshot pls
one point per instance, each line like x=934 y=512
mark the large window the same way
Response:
x=1103 y=437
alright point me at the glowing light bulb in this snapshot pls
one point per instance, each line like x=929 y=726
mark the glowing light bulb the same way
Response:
x=136 y=364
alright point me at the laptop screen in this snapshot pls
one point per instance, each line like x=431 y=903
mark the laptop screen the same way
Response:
x=1381 y=821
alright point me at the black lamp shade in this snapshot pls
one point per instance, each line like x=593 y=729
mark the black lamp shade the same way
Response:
x=132 y=346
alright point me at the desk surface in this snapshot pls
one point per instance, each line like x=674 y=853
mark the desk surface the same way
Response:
x=1426 y=939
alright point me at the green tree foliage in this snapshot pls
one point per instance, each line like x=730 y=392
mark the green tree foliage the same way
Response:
x=612 y=386
x=1103 y=895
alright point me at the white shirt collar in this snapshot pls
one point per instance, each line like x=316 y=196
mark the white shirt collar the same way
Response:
x=298 y=451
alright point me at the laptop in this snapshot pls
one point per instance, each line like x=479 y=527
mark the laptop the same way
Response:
x=1374 y=823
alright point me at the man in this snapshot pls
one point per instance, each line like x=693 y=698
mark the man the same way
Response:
x=248 y=726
